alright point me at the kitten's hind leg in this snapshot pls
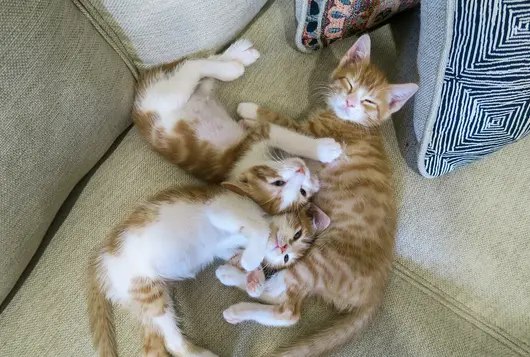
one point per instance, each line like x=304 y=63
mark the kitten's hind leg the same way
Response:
x=222 y=70
x=157 y=313
x=252 y=111
x=286 y=314
x=241 y=51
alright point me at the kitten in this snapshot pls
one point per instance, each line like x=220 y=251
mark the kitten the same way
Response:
x=175 y=112
x=173 y=236
x=348 y=265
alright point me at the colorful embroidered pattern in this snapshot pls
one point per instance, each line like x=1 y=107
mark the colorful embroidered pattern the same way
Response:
x=330 y=20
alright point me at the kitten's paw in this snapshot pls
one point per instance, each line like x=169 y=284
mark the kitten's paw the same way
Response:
x=250 y=261
x=247 y=110
x=242 y=51
x=228 y=275
x=233 y=315
x=255 y=283
x=230 y=71
x=328 y=150
x=247 y=123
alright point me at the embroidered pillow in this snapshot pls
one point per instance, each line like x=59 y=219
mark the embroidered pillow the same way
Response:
x=320 y=22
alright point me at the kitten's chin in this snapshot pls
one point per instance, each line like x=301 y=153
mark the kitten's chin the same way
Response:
x=347 y=115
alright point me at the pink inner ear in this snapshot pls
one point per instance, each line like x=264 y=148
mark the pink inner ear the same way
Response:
x=399 y=94
x=360 y=51
x=321 y=220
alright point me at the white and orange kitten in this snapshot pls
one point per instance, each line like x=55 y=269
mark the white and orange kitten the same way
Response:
x=173 y=236
x=176 y=113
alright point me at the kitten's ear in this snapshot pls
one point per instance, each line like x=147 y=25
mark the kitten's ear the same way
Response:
x=320 y=219
x=399 y=94
x=360 y=51
x=236 y=187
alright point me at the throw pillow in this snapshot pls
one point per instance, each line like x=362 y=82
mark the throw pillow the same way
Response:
x=320 y=22
x=480 y=97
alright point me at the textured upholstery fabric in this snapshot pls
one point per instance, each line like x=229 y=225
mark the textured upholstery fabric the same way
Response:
x=65 y=97
x=460 y=282
x=150 y=32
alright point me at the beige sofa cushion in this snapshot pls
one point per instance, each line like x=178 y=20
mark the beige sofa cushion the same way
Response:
x=65 y=97
x=459 y=286
x=158 y=31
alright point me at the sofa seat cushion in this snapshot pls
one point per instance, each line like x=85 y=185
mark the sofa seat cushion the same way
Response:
x=65 y=97
x=459 y=285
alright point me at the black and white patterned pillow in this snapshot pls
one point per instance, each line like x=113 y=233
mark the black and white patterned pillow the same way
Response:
x=483 y=102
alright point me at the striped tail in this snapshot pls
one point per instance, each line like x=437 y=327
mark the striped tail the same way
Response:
x=100 y=316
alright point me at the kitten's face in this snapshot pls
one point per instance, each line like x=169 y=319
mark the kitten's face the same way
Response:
x=359 y=91
x=292 y=234
x=278 y=186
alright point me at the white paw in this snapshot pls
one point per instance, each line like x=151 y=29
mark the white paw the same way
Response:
x=255 y=283
x=247 y=123
x=228 y=275
x=248 y=110
x=242 y=51
x=328 y=150
x=230 y=71
x=250 y=261
x=232 y=315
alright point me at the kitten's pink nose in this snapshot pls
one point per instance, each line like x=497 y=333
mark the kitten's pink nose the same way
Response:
x=284 y=248
x=350 y=103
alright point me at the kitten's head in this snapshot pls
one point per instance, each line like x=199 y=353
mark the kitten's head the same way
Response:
x=292 y=234
x=359 y=91
x=277 y=186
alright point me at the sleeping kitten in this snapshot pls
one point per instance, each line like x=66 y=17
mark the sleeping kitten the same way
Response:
x=348 y=265
x=173 y=236
x=175 y=112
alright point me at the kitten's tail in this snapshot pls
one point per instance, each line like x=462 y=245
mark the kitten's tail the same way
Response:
x=100 y=315
x=342 y=330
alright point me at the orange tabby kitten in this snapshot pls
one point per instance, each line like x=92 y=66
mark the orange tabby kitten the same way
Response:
x=176 y=112
x=348 y=265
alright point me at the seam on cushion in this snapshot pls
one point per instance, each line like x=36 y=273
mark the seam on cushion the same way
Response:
x=464 y=312
x=103 y=27
x=435 y=104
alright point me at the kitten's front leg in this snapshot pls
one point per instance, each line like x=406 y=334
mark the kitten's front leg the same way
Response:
x=247 y=221
x=324 y=150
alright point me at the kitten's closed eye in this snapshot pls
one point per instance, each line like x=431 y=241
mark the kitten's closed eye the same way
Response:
x=368 y=101
x=278 y=183
x=346 y=84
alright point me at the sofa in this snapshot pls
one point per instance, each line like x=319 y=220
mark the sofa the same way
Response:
x=72 y=165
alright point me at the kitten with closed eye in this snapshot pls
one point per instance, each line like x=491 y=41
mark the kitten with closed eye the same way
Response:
x=348 y=264
x=176 y=113
x=173 y=236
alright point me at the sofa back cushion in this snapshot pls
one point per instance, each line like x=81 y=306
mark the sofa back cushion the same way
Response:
x=66 y=96
x=159 y=31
